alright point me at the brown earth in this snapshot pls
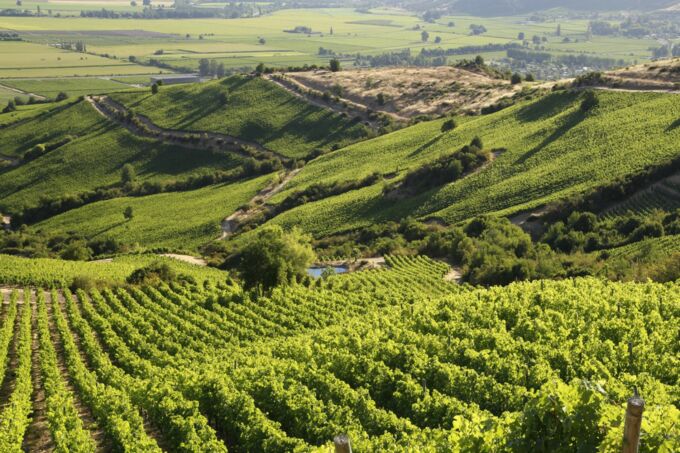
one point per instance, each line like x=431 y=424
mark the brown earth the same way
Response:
x=410 y=91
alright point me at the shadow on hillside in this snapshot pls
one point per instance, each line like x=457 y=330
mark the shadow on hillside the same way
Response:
x=571 y=121
x=109 y=228
x=426 y=145
x=546 y=107
x=675 y=125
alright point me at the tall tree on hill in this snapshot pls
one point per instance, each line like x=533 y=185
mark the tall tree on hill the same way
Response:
x=334 y=65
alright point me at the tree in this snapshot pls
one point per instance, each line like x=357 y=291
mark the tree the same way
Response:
x=77 y=251
x=61 y=96
x=262 y=41
x=449 y=125
x=516 y=79
x=529 y=78
x=536 y=40
x=334 y=65
x=220 y=70
x=380 y=99
x=438 y=39
x=479 y=60
x=204 y=67
x=11 y=106
x=477 y=143
x=558 y=32
x=154 y=88
x=425 y=36
x=127 y=174
x=259 y=69
x=589 y=101
x=521 y=36
x=128 y=213
x=276 y=257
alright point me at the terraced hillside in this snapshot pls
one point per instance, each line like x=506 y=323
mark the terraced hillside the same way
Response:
x=553 y=150
x=397 y=359
x=549 y=149
x=80 y=151
x=249 y=108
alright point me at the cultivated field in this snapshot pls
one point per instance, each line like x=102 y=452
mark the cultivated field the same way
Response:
x=395 y=359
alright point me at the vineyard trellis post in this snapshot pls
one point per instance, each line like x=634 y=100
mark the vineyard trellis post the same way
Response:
x=633 y=423
x=342 y=444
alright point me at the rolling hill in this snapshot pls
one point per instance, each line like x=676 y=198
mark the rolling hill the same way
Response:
x=250 y=108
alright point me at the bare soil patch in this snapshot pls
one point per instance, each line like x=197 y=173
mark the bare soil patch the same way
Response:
x=410 y=92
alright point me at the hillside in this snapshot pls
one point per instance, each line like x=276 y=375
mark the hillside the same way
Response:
x=395 y=359
x=409 y=92
x=250 y=108
x=85 y=152
x=545 y=161
x=510 y=7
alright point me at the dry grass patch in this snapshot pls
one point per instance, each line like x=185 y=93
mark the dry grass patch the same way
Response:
x=409 y=92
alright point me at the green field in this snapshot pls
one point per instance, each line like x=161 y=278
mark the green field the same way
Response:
x=250 y=108
x=193 y=220
x=235 y=42
x=93 y=159
x=24 y=59
x=72 y=86
x=48 y=272
x=553 y=151
x=397 y=359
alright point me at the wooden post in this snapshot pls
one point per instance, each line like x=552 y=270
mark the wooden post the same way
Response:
x=342 y=444
x=631 y=429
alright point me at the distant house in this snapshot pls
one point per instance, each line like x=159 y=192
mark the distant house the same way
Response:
x=172 y=79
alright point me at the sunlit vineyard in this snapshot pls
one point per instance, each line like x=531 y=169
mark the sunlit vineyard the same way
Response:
x=396 y=358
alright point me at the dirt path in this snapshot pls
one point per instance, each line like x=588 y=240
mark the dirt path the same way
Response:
x=187 y=259
x=115 y=112
x=454 y=275
x=89 y=422
x=38 y=437
x=302 y=91
x=232 y=223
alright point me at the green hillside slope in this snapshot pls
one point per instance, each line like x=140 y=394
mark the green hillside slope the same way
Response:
x=92 y=159
x=178 y=220
x=249 y=108
x=554 y=150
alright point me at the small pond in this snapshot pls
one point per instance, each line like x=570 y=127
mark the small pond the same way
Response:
x=317 y=271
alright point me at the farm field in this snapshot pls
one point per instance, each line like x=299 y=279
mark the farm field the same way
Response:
x=76 y=86
x=92 y=159
x=336 y=356
x=545 y=140
x=236 y=42
x=24 y=59
x=249 y=108
x=193 y=221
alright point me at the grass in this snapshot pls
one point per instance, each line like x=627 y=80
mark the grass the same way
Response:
x=553 y=151
x=8 y=95
x=23 y=59
x=23 y=112
x=93 y=159
x=255 y=109
x=74 y=87
x=193 y=220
